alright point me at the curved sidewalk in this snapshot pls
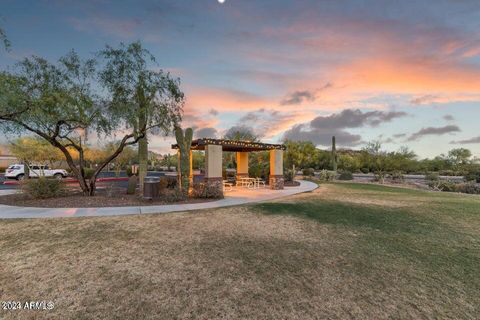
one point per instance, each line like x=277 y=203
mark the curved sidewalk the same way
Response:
x=236 y=197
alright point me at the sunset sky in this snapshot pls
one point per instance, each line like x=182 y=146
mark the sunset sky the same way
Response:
x=407 y=73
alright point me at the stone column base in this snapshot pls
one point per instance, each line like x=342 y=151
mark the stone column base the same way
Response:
x=276 y=182
x=214 y=187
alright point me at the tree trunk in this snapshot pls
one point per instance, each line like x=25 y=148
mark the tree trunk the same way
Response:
x=26 y=170
x=142 y=144
x=92 y=186
x=93 y=180
x=142 y=160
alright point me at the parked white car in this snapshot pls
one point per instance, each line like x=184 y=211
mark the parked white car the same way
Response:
x=17 y=171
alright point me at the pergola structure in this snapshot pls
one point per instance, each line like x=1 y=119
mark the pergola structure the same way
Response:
x=213 y=159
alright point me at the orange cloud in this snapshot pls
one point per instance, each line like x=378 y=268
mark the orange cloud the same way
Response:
x=409 y=76
x=223 y=99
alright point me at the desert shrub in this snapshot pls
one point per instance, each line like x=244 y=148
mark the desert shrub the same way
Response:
x=289 y=175
x=443 y=185
x=473 y=176
x=326 y=175
x=163 y=184
x=468 y=187
x=172 y=181
x=432 y=176
x=309 y=172
x=174 y=195
x=345 y=175
x=43 y=188
x=203 y=190
x=88 y=172
x=448 y=173
x=112 y=190
x=379 y=176
x=397 y=176
x=259 y=170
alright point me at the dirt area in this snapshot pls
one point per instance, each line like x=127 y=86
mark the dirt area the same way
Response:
x=101 y=199
x=227 y=264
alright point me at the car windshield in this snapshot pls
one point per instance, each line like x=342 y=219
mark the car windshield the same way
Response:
x=14 y=167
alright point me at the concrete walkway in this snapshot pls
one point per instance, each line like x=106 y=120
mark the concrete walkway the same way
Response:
x=236 y=197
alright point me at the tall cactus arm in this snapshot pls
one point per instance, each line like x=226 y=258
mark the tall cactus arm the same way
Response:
x=179 y=137
x=188 y=138
x=184 y=141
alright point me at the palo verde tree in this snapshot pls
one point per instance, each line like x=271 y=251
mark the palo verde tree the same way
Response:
x=34 y=150
x=57 y=103
x=151 y=99
x=53 y=101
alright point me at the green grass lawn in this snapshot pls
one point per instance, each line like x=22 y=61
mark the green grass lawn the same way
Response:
x=345 y=250
x=422 y=245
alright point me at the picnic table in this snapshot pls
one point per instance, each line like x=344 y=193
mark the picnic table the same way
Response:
x=227 y=186
x=251 y=183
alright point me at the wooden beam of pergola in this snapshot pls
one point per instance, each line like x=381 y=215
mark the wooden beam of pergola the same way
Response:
x=233 y=145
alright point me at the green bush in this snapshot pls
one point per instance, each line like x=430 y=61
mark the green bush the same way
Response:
x=2 y=169
x=326 y=175
x=259 y=170
x=364 y=170
x=345 y=175
x=43 y=188
x=396 y=176
x=379 y=176
x=172 y=181
x=289 y=175
x=309 y=172
x=449 y=173
x=473 y=176
x=88 y=172
x=432 y=176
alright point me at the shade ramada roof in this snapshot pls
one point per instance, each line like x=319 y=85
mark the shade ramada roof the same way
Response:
x=233 y=145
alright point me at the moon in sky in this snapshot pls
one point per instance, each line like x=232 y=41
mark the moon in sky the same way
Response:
x=221 y=1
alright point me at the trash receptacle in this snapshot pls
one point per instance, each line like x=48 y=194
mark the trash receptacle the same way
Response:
x=151 y=188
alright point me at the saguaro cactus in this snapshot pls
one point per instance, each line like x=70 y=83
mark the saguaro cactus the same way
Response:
x=334 y=155
x=184 y=142
x=132 y=184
